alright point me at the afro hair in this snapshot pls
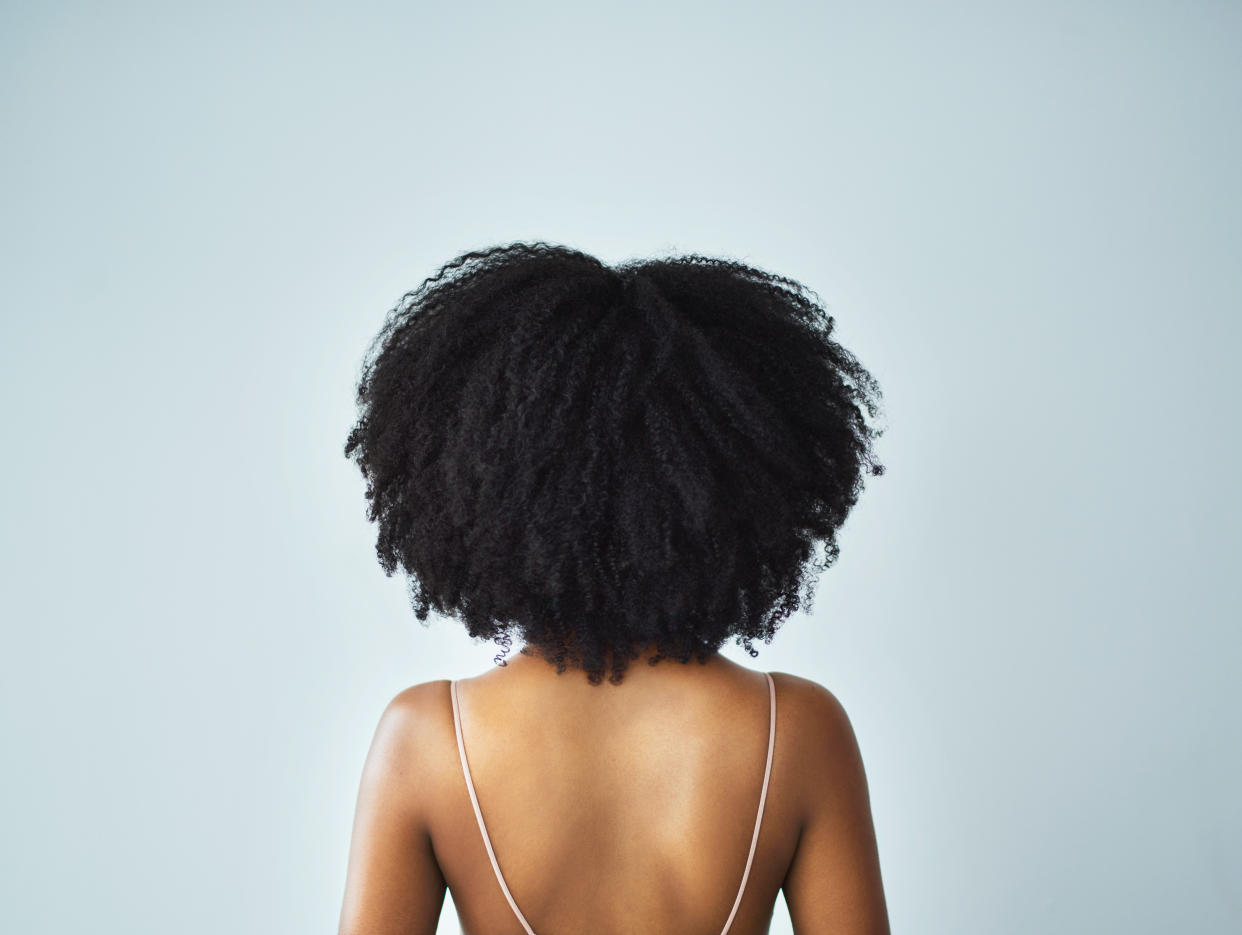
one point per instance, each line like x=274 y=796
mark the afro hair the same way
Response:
x=600 y=459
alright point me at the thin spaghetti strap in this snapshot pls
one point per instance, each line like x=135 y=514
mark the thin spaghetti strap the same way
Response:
x=478 y=813
x=763 y=796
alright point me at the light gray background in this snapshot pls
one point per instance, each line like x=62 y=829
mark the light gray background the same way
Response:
x=1025 y=218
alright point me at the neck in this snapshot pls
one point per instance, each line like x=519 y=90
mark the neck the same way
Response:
x=533 y=658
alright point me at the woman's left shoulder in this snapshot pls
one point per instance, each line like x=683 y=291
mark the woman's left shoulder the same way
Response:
x=421 y=712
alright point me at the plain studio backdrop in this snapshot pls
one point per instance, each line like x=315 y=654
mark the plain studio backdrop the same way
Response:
x=1024 y=217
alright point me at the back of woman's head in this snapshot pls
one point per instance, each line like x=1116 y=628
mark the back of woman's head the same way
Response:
x=601 y=459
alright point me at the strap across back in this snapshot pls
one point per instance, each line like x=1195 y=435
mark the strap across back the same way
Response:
x=487 y=841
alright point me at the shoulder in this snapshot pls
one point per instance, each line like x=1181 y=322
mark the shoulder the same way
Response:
x=417 y=718
x=419 y=704
x=409 y=750
x=809 y=704
x=818 y=727
x=833 y=882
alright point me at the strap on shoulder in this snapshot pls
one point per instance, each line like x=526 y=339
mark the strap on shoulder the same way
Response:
x=763 y=797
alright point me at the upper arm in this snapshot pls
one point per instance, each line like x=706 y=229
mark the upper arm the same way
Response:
x=393 y=884
x=833 y=885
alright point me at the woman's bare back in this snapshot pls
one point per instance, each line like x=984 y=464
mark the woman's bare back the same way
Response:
x=631 y=808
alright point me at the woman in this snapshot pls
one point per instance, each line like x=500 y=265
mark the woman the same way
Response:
x=624 y=467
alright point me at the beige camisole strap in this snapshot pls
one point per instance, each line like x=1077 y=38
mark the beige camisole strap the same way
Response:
x=487 y=841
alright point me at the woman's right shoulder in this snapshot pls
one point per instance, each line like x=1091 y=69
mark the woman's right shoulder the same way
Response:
x=818 y=727
x=834 y=882
x=807 y=698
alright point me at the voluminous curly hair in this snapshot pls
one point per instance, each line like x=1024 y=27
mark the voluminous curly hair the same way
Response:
x=604 y=459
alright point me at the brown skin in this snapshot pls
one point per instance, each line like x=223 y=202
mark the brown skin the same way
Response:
x=614 y=809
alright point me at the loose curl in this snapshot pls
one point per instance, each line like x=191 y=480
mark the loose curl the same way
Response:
x=599 y=459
